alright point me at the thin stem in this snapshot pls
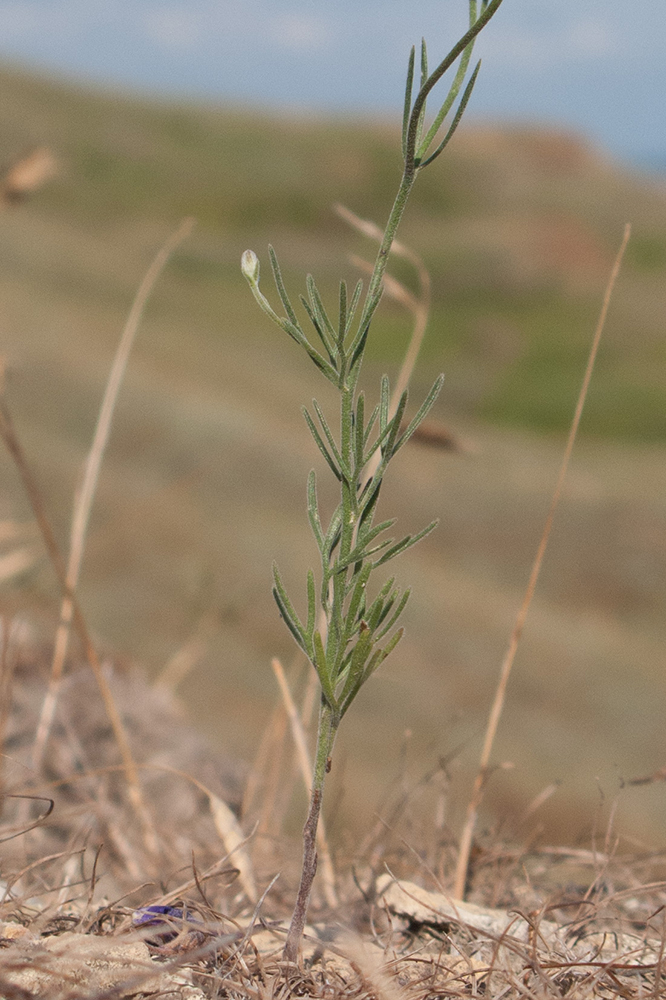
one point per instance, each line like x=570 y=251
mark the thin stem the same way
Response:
x=328 y=726
x=406 y=184
x=305 y=766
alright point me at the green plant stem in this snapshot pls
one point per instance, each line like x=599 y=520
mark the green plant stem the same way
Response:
x=328 y=720
x=341 y=649
x=406 y=184
x=328 y=727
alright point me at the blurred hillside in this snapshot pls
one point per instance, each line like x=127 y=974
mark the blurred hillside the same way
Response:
x=204 y=484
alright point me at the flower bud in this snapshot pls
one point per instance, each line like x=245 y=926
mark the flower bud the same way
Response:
x=250 y=266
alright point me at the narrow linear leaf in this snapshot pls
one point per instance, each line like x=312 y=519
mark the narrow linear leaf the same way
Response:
x=456 y=120
x=333 y=533
x=396 y=614
x=359 y=418
x=381 y=654
x=321 y=667
x=359 y=346
x=320 y=444
x=423 y=412
x=387 y=449
x=318 y=328
x=351 y=311
x=424 y=62
x=331 y=441
x=359 y=657
x=369 y=503
x=409 y=86
x=386 y=610
x=313 y=511
x=358 y=556
x=291 y=615
x=370 y=424
x=342 y=316
x=364 y=538
x=377 y=443
x=312 y=606
x=454 y=90
x=288 y=622
x=375 y=609
x=384 y=399
x=358 y=343
x=300 y=338
x=334 y=646
x=374 y=663
x=318 y=306
x=359 y=552
x=424 y=77
x=404 y=544
x=359 y=592
x=282 y=292
x=489 y=11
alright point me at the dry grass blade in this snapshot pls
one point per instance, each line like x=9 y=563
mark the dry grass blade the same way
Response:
x=234 y=840
x=266 y=770
x=17 y=561
x=328 y=872
x=85 y=496
x=507 y=663
x=28 y=175
x=181 y=664
x=34 y=495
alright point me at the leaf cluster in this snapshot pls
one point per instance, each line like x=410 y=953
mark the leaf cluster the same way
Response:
x=344 y=630
x=350 y=651
x=415 y=144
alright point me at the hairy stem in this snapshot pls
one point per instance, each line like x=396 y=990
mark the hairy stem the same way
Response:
x=406 y=184
x=328 y=727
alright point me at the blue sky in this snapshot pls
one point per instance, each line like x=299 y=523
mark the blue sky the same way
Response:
x=599 y=67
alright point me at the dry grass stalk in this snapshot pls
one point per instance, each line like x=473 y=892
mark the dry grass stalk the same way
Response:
x=18 y=561
x=507 y=663
x=86 y=494
x=264 y=778
x=293 y=776
x=328 y=872
x=183 y=661
x=34 y=495
x=21 y=555
x=28 y=175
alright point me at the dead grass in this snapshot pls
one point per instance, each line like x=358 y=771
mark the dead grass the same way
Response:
x=582 y=922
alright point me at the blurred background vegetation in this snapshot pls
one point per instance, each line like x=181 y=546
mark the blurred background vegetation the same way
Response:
x=204 y=482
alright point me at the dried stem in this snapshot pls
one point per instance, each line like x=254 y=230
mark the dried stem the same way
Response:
x=85 y=496
x=507 y=663
x=15 y=449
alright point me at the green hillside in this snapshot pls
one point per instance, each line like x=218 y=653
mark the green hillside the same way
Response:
x=204 y=483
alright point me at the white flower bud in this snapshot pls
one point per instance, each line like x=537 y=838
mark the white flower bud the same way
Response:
x=250 y=266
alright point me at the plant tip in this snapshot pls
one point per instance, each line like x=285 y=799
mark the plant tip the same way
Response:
x=250 y=266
